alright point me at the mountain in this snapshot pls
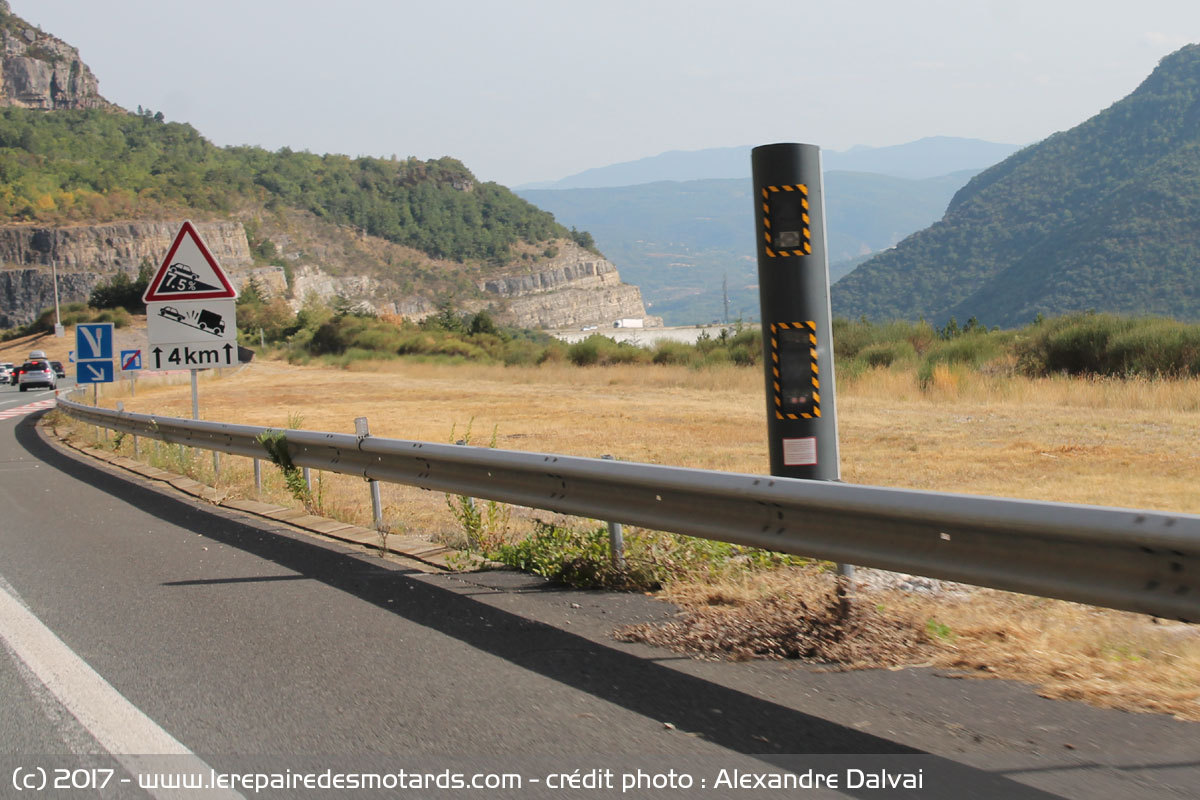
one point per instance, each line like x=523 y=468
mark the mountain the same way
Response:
x=38 y=70
x=88 y=186
x=1102 y=216
x=925 y=158
x=686 y=244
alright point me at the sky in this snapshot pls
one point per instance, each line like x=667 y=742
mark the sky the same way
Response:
x=534 y=90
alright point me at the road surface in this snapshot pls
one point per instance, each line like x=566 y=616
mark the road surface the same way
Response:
x=136 y=620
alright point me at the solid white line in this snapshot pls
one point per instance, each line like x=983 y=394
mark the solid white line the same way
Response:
x=116 y=724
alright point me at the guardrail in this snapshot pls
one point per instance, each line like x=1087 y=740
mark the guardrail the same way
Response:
x=1143 y=561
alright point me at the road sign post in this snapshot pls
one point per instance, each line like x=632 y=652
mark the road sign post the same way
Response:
x=190 y=313
x=131 y=363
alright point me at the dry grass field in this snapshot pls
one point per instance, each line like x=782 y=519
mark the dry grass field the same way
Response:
x=1129 y=443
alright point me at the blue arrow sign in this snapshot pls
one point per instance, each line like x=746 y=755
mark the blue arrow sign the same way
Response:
x=94 y=352
x=131 y=359
x=94 y=372
x=94 y=340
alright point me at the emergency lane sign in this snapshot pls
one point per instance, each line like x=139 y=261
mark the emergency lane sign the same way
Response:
x=189 y=272
x=94 y=372
x=94 y=352
x=131 y=360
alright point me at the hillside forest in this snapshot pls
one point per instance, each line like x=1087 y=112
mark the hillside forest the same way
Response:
x=95 y=166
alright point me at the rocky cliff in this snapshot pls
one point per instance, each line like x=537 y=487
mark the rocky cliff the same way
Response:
x=38 y=70
x=573 y=289
x=87 y=254
x=119 y=246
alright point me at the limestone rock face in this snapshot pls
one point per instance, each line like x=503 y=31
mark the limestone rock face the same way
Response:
x=117 y=246
x=25 y=292
x=87 y=254
x=38 y=70
x=574 y=289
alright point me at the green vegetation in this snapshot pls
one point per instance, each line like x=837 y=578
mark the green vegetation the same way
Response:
x=1081 y=344
x=1078 y=344
x=121 y=291
x=1104 y=344
x=71 y=314
x=1098 y=217
x=583 y=559
x=98 y=166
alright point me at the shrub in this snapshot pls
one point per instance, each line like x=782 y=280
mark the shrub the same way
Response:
x=1104 y=344
x=600 y=349
x=885 y=354
x=965 y=350
x=1156 y=347
x=670 y=352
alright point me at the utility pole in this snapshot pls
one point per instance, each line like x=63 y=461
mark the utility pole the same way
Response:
x=725 y=296
x=58 y=328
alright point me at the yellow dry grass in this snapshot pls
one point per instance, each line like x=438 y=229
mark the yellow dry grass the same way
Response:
x=1130 y=443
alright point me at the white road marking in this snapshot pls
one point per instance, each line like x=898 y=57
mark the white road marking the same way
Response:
x=116 y=724
x=29 y=408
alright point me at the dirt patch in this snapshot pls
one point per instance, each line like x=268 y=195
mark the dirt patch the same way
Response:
x=810 y=624
x=1069 y=651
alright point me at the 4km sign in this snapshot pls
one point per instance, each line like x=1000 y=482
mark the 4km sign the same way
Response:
x=190 y=309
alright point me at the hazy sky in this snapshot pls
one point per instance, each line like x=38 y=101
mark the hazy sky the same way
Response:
x=529 y=90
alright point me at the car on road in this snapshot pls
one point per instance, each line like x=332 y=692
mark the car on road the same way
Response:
x=37 y=372
x=6 y=372
x=59 y=370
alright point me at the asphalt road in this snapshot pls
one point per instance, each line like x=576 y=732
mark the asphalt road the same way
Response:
x=139 y=621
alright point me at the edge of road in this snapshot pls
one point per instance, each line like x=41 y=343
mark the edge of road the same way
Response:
x=411 y=547
x=999 y=732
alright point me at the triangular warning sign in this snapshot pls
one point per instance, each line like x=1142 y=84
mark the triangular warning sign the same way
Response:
x=189 y=272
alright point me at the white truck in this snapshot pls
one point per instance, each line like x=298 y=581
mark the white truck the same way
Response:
x=630 y=322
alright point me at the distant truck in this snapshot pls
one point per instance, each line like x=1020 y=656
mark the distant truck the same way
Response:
x=630 y=322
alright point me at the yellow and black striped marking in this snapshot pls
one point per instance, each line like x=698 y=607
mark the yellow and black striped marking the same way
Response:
x=795 y=375
x=785 y=221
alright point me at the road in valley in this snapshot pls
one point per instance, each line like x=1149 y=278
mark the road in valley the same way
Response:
x=136 y=620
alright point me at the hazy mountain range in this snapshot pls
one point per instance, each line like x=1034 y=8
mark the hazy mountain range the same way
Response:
x=688 y=241
x=930 y=157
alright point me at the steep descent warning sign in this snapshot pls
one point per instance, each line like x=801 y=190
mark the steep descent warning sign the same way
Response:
x=189 y=272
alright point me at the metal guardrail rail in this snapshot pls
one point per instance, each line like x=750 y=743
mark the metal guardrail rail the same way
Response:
x=1143 y=561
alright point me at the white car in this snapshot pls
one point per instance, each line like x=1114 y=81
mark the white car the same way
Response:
x=6 y=371
x=37 y=372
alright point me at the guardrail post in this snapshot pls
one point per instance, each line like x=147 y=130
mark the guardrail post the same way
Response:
x=257 y=477
x=363 y=430
x=307 y=473
x=616 y=539
x=120 y=410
